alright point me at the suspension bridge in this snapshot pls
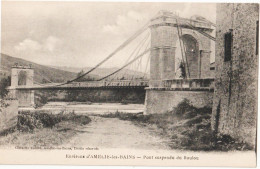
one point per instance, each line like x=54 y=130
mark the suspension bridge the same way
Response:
x=154 y=49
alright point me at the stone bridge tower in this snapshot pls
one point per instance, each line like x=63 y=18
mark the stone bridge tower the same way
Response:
x=166 y=88
x=22 y=77
x=165 y=45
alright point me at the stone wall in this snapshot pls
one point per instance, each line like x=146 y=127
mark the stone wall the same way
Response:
x=205 y=71
x=158 y=101
x=8 y=113
x=235 y=99
x=25 y=98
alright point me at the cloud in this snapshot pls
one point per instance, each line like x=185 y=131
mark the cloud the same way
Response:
x=51 y=43
x=191 y=9
x=186 y=12
x=135 y=15
x=81 y=33
x=41 y=51
x=28 y=44
x=124 y=23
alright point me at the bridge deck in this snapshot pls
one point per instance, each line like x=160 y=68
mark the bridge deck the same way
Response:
x=174 y=84
x=92 y=84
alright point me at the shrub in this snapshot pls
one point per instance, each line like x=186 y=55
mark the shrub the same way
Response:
x=28 y=121
x=42 y=97
x=4 y=83
x=184 y=107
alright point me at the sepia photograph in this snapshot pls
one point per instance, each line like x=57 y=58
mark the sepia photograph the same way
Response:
x=129 y=83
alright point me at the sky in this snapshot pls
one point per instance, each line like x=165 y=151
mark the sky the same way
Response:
x=80 y=34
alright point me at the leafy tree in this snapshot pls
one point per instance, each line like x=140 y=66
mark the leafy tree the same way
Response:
x=4 y=83
x=82 y=79
x=45 y=81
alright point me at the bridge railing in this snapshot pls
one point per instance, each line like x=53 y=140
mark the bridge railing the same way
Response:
x=189 y=83
x=85 y=84
x=127 y=83
x=110 y=83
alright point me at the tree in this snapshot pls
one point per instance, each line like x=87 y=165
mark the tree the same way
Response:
x=45 y=80
x=4 y=83
x=82 y=79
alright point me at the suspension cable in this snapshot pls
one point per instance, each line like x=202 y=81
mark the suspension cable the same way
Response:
x=136 y=64
x=139 y=64
x=112 y=54
x=183 y=54
x=148 y=60
x=125 y=65
x=31 y=78
x=138 y=48
x=184 y=49
x=44 y=77
x=201 y=32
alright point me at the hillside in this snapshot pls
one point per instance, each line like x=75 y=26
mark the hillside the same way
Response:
x=61 y=74
x=126 y=73
x=41 y=73
x=101 y=72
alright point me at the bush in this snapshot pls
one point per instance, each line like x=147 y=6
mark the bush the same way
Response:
x=4 y=83
x=28 y=121
x=184 y=107
x=42 y=97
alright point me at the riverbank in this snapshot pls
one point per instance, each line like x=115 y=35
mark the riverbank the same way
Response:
x=185 y=127
x=53 y=124
x=40 y=129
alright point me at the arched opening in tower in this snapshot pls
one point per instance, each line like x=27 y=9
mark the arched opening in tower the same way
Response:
x=22 y=76
x=191 y=48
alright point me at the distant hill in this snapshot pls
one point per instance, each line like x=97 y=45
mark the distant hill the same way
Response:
x=68 y=68
x=44 y=74
x=101 y=72
x=41 y=73
x=126 y=73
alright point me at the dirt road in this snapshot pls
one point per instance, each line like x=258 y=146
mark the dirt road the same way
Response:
x=115 y=133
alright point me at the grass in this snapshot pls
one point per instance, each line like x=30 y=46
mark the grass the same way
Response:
x=43 y=129
x=45 y=137
x=28 y=121
x=188 y=127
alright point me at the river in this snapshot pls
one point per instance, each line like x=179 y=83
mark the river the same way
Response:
x=91 y=108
